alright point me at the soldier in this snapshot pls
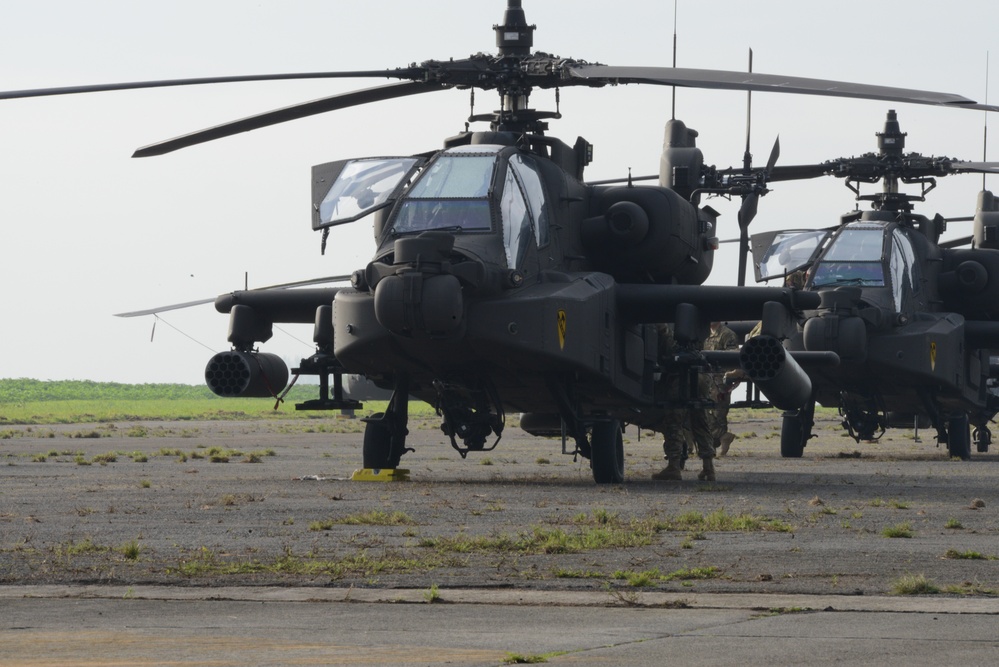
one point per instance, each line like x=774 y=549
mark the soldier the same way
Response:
x=678 y=422
x=721 y=338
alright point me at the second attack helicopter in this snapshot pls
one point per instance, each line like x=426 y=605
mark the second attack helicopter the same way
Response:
x=912 y=318
x=502 y=281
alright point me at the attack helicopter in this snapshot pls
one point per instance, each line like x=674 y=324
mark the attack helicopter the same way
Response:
x=503 y=281
x=911 y=318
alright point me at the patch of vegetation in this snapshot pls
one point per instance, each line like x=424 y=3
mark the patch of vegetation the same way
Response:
x=27 y=401
x=206 y=562
x=377 y=518
x=953 y=524
x=914 y=584
x=432 y=595
x=639 y=579
x=689 y=573
x=721 y=521
x=970 y=588
x=130 y=550
x=903 y=529
x=967 y=555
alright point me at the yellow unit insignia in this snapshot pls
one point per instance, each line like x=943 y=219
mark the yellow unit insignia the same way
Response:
x=561 y=329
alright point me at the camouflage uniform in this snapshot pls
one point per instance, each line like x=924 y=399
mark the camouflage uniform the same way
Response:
x=683 y=425
x=721 y=338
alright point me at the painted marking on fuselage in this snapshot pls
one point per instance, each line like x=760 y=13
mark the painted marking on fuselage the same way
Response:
x=561 y=329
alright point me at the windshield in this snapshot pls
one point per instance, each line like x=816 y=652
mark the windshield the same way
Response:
x=854 y=258
x=863 y=274
x=857 y=245
x=450 y=194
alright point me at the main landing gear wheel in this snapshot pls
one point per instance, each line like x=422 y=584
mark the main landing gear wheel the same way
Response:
x=377 y=452
x=607 y=455
x=795 y=431
x=959 y=438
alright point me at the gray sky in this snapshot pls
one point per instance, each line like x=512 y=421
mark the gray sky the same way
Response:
x=88 y=231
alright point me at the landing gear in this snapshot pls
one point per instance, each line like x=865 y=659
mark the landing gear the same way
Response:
x=607 y=452
x=982 y=437
x=959 y=437
x=795 y=431
x=385 y=432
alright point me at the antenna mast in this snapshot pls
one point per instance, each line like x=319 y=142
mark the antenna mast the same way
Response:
x=673 y=110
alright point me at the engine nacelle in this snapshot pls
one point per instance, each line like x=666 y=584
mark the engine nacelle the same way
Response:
x=246 y=374
x=647 y=234
x=969 y=282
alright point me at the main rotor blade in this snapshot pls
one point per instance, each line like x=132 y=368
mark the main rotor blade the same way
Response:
x=768 y=83
x=980 y=167
x=189 y=304
x=134 y=85
x=294 y=112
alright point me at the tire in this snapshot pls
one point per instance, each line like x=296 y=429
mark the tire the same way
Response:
x=607 y=455
x=792 y=436
x=959 y=438
x=377 y=451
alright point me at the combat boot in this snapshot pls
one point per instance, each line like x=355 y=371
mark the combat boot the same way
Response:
x=708 y=473
x=724 y=442
x=671 y=473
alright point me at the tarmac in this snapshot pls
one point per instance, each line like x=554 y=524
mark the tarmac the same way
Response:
x=817 y=593
x=167 y=625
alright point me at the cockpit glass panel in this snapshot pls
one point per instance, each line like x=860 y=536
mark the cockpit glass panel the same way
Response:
x=903 y=243
x=528 y=175
x=789 y=252
x=362 y=186
x=861 y=274
x=853 y=258
x=856 y=245
x=452 y=193
x=517 y=230
x=455 y=176
x=459 y=215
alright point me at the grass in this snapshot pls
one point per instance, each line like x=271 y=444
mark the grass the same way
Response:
x=432 y=594
x=205 y=562
x=28 y=402
x=967 y=555
x=914 y=584
x=903 y=529
x=600 y=530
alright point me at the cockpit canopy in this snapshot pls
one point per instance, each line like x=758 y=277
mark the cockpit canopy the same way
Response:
x=872 y=255
x=478 y=189
x=464 y=190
